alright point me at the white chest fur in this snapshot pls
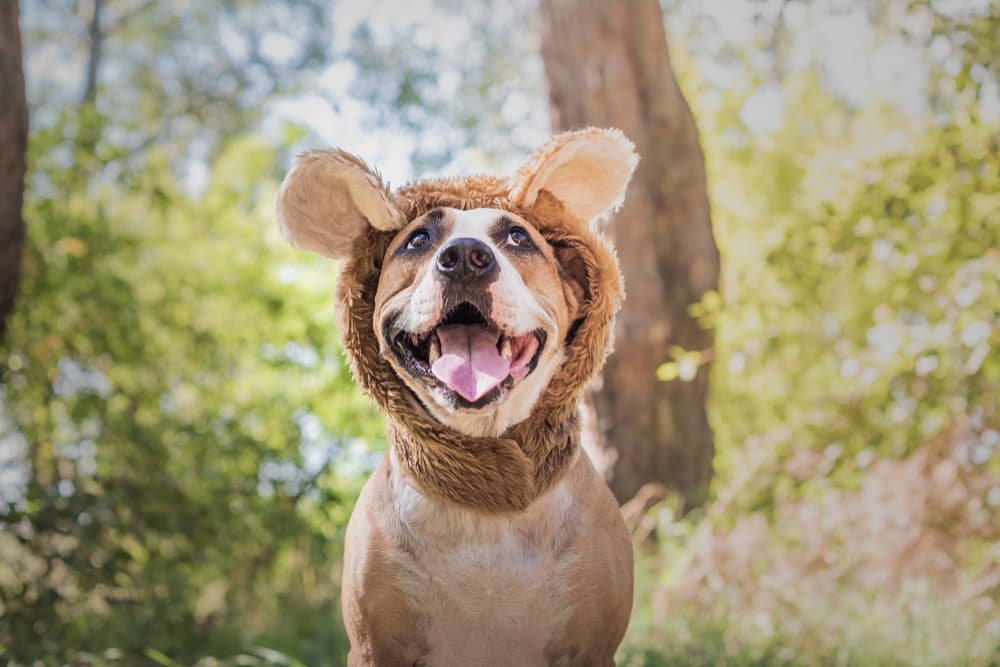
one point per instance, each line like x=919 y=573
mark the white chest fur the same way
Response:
x=487 y=580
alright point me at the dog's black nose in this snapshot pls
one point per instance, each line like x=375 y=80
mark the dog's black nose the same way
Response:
x=466 y=259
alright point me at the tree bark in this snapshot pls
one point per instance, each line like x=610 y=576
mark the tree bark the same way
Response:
x=607 y=65
x=95 y=36
x=13 y=144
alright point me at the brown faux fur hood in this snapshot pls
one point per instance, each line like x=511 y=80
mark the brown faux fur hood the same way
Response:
x=506 y=473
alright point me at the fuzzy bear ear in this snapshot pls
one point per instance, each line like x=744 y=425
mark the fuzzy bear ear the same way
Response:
x=588 y=170
x=328 y=200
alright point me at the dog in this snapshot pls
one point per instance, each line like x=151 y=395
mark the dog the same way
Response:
x=474 y=311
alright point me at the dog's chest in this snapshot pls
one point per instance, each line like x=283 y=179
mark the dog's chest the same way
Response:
x=493 y=588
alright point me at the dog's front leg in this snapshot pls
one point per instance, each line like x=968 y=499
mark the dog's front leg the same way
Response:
x=384 y=624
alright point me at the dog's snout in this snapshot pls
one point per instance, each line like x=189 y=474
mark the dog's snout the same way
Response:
x=466 y=259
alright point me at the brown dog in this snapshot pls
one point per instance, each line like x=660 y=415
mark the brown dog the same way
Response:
x=474 y=311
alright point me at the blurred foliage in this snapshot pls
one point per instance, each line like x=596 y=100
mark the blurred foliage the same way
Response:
x=177 y=77
x=856 y=511
x=463 y=85
x=180 y=441
x=862 y=277
x=172 y=391
x=176 y=398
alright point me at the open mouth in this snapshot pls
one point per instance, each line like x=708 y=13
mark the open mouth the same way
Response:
x=469 y=355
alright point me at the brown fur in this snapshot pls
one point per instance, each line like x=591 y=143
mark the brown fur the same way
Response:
x=491 y=474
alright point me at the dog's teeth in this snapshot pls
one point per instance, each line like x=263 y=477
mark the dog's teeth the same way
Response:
x=415 y=339
x=505 y=348
x=434 y=351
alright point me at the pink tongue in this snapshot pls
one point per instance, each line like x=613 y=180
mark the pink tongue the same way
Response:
x=470 y=363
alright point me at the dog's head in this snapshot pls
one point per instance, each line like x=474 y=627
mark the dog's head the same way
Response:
x=478 y=284
x=472 y=310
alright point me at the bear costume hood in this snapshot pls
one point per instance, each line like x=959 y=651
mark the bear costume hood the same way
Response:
x=575 y=178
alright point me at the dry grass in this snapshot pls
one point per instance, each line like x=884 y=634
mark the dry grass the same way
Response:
x=901 y=569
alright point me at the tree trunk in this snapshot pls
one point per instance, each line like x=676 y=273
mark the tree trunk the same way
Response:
x=13 y=143
x=607 y=65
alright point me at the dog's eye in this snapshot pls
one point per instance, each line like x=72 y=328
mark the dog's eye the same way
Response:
x=418 y=239
x=518 y=237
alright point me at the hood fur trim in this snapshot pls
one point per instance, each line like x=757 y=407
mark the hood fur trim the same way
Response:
x=507 y=473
